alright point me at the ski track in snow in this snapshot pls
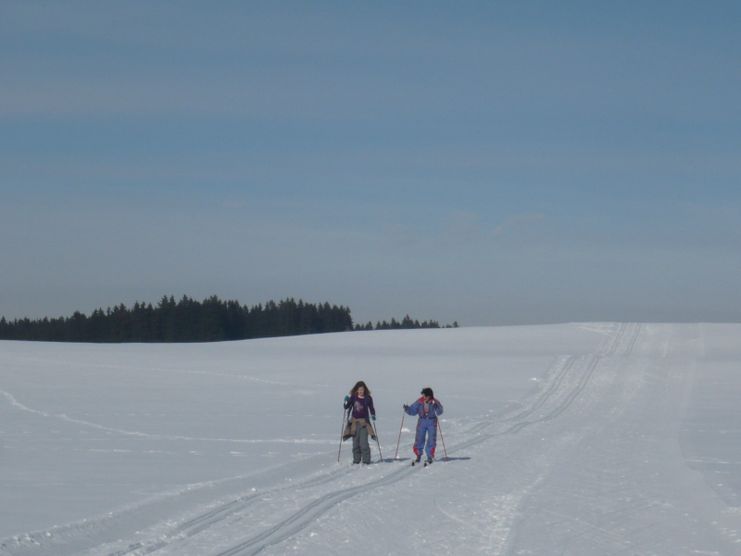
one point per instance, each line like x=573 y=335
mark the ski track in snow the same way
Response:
x=569 y=377
x=564 y=385
x=307 y=514
x=279 y=532
x=154 y=436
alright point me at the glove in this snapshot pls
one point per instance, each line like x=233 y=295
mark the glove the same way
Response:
x=406 y=407
x=347 y=399
x=373 y=417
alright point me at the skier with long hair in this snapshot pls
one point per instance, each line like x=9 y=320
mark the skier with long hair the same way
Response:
x=359 y=404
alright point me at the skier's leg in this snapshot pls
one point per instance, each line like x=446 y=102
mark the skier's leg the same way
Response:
x=364 y=447
x=356 y=445
x=419 y=440
x=431 y=439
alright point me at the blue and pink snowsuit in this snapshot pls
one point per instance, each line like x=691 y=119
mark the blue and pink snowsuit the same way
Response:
x=426 y=425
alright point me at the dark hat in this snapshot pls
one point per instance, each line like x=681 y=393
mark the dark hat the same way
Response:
x=427 y=391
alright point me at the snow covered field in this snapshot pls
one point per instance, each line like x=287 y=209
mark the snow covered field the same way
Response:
x=586 y=439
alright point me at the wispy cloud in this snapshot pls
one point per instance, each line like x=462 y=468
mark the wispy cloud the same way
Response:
x=518 y=222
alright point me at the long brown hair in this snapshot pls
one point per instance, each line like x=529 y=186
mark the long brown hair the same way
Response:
x=358 y=384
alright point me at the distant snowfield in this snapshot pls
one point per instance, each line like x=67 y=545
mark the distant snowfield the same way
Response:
x=579 y=439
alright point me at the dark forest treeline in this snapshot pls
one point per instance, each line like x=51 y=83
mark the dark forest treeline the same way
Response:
x=189 y=320
x=405 y=323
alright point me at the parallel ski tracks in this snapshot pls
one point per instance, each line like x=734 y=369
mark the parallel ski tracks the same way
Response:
x=622 y=343
x=571 y=378
x=306 y=515
x=216 y=515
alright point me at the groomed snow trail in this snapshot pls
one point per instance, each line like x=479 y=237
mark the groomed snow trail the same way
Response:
x=590 y=462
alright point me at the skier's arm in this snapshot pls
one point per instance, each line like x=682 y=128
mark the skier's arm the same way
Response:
x=371 y=409
x=438 y=407
x=412 y=409
x=349 y=401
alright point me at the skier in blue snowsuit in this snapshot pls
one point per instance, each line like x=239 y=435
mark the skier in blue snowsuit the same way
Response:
x=427 y=408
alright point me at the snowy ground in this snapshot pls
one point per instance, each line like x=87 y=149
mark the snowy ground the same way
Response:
x=585 y=439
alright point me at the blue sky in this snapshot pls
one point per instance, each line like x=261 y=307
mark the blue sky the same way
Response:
x=485 y=162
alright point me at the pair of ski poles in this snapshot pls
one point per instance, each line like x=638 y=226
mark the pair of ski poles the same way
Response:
x=345 y=417
x=398 y=440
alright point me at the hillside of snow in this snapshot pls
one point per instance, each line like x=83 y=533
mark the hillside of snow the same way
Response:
x=578 y=439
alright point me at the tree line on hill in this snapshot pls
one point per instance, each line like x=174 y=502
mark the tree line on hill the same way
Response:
x=188 y=320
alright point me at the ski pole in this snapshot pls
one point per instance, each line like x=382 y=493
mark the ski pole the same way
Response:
x=442 y=438
x=380 y=455
x=342 y=432
x=396 y=455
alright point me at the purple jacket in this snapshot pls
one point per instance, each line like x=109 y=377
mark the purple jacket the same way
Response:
x=362 y=408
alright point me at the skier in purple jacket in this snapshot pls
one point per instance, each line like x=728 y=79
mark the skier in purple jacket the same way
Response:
x=427 y=408
x=359 y=405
